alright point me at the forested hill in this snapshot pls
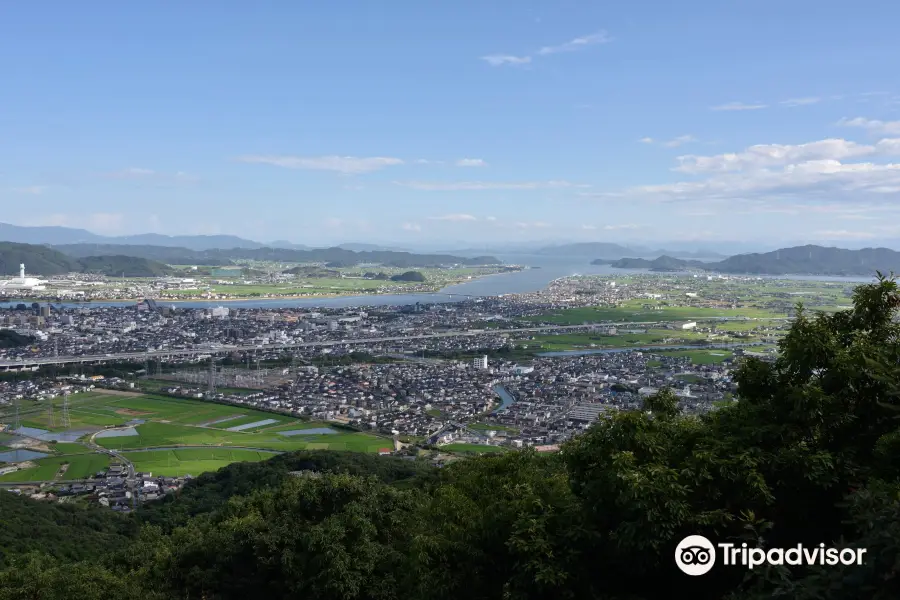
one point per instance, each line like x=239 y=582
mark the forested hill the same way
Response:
x=40 y=260
x=799 y=260
x=43 y=261
x=806 y=456
x=184 y=256
x=66 y=532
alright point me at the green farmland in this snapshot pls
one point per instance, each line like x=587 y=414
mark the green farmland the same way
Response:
x=157 y=435
x=81 y=466
x=700 y=357
x=632 y=312
x=471 y=449
x=175 y=423
x=191 y=461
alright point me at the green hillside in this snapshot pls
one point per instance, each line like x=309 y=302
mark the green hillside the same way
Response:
x=43 y=261
x=39 y=260
x=124 y=266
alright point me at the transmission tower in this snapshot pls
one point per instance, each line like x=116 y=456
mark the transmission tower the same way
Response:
x=65 y=414
x=50 y=419
x=212 y=376
x=16 y=424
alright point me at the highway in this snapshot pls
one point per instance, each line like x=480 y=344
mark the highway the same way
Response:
x=143 y=356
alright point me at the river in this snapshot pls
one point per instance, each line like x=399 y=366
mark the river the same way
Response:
x=505 y=396
x=519 y=282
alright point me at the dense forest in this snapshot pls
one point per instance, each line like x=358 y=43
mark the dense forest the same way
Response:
x=808 y=454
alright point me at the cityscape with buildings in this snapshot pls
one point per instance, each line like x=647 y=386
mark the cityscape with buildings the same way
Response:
x=437 y=380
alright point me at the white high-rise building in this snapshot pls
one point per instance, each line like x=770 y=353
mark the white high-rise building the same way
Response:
x=480 y=362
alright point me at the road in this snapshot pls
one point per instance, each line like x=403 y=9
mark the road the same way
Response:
x=129 y=466
x=142 y=356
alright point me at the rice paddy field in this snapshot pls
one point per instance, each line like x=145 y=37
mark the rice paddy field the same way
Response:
x=471 y=449
x=79 y=466
x=191 y=461
x=174 y=436
x=700 y=357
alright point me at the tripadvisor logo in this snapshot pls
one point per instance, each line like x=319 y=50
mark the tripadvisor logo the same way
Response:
x=696 y=555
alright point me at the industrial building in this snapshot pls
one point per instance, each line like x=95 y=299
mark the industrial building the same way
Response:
x=22 y=282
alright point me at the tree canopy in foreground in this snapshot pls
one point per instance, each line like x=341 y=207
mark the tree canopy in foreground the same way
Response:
x=809 y=454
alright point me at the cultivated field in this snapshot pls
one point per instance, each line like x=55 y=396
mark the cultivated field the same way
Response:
x=471 y=449
x=234 y=432
x=190 y=461
x=80 y=466
x=158 y=435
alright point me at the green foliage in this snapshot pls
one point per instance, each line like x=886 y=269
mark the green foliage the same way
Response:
x=63 y=531
x=124 y=266
x=409 y=276
x=209 y=491
x=40 y=260
x=11 y=339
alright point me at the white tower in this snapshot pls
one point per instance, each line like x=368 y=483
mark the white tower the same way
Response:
x=22 y=271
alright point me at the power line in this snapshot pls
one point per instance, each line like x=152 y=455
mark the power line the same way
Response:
x=65 y=415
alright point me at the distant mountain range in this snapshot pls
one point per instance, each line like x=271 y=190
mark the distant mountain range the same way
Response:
x=185 y=256
x=150 y=261
x=615 y=251
x=69 y=235
x=799 y=260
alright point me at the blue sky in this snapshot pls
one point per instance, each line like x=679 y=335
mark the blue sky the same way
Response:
x=461 y=121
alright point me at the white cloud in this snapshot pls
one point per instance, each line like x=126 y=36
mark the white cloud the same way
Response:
x=621 y=227
x=412 y=227
x=486 y=185
x=739 y=106
x=497 y=60
x=350 y=165
x=334 y=222
x=470 y=162
x=800 y=101
x=423 y=161
x=579 y=43
x=492 y=219
x=589 y=227
x=455 y=218
x=872 y=125
x=601 y=37
x=673 y=143
x=32 y=190
x=823 y=172
x=769 y=155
